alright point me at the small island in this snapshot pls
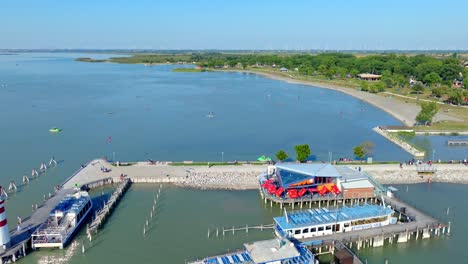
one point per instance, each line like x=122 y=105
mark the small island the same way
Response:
x=90 y=60
x=189 y=70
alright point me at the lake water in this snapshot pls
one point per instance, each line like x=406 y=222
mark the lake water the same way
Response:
x=151 y=112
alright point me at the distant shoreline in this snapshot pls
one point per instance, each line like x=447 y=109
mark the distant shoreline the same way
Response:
x=403 y=112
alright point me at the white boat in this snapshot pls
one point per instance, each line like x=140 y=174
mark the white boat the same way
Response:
x=317 y=222
x=63 y=222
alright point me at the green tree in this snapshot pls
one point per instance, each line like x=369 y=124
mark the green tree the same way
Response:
x=359 y=152
x=368 y=147
x=418 y=88
x=387 y=79
x=400 y=80
x=428 y=111
x=456 y=97
x=437 y=92
x=281 y=155
x=432 y=79
x=302 y=152
x=377 y=87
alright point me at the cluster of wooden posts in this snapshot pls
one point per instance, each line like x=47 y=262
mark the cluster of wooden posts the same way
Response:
x=152 y=213
x=13 y=187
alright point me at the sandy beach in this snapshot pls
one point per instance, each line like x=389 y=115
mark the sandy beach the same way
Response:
x=404 y=112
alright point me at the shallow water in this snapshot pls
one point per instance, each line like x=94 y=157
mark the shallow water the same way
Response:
x=151 y=112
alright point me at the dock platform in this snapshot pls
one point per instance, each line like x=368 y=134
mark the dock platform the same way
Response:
x=101 y=215
x=457 y=142
x=419 y=225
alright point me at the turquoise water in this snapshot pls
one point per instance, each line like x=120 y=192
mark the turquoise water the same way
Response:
x=151 y=112
x=433 y=199
x=436 y=147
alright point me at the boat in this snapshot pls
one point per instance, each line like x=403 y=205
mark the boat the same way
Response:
x=55 y=130
x=318 y=222
x=63 y=221
x=210 y=115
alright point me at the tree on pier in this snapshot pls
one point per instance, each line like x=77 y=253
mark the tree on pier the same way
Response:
x=302 y=152
x=359 y=152
x=368 y=148
x=428 y=111
x=281 y=155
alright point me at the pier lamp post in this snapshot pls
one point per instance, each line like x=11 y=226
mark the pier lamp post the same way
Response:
x=222 y=156
x=113 y=156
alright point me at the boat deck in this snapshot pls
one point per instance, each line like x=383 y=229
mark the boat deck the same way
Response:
x=19 y=238
x=420 y=222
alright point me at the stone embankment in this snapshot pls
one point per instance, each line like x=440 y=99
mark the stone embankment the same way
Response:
x=402 y=144
x=244 y=177
x=408 y=174
x=240 y=177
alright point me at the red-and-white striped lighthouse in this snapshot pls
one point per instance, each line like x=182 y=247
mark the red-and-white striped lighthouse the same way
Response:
x=4 y=232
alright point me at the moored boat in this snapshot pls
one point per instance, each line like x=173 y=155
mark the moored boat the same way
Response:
x=63 y=221
x=322 y=221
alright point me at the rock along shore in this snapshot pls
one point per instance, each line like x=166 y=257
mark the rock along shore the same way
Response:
x=245 y=177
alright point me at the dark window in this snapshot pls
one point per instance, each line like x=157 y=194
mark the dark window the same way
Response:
x=297 y=231
x=305 y=231
x=320 y=228
x=328 y=228
x=313 y=230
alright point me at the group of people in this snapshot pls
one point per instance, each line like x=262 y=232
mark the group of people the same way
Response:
x=104 y=169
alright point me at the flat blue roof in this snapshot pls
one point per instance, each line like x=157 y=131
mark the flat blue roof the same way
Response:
x=319 y=216
x=314 y=170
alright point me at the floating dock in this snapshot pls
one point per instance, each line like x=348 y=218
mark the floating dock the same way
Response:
x=457 y=143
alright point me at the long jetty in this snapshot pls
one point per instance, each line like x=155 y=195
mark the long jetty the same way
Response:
x=402 y=144
x=101 y=215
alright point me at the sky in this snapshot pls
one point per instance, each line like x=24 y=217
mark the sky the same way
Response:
x=234 y=25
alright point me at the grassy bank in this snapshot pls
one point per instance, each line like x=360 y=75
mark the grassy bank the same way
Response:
x=406 y=137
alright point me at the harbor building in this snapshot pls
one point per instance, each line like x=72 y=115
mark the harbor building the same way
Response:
x=289 y=182
x=274 y=251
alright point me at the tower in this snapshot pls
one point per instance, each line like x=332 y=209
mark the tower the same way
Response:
x=4 y=231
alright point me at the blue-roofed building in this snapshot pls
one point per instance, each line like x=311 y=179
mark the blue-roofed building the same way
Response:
x=322 y=221
x=304 y=180
x=291 y=174
x=274 y=251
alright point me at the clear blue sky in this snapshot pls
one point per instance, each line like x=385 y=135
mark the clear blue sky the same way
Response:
x=237 y=24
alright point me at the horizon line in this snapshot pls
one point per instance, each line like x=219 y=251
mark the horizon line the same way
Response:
x=225 y=50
